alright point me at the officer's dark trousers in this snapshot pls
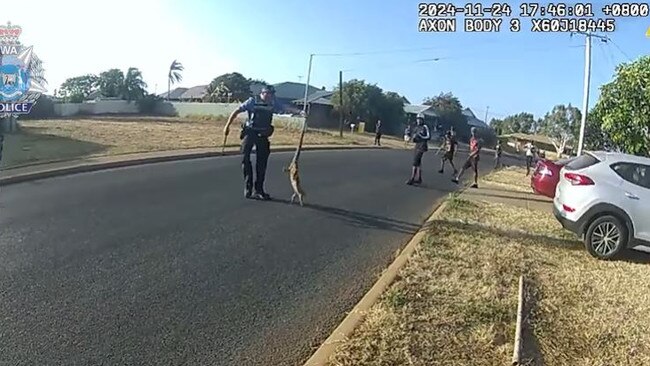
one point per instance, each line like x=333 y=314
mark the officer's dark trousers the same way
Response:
x=263 y=150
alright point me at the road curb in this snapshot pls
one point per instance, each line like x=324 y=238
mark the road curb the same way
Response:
x=355 y=316
x=95 y=166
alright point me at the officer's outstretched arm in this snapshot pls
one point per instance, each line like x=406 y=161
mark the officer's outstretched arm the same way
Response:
x=233 y=115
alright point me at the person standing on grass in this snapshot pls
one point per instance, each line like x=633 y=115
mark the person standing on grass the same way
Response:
x=530 y=154
x=421 y=137
x=472 y=159
x=449 y=144
x=378 y=133
x=497 y=155
x=255 y=133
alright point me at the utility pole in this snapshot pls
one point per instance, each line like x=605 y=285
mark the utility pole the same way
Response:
x=341 y=109
x=304 y=107
x=585 y=100
x=486 y=114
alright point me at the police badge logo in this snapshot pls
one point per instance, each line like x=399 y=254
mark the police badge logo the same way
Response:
x=21 y=74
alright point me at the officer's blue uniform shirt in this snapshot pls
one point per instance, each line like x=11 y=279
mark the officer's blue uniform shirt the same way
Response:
x=249 y=106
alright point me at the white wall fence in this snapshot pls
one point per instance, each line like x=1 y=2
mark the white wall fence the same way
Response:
x=180 y=109
x=95 y=107
x=184 y=109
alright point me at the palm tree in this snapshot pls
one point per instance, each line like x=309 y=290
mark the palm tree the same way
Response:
x=133 y=84
x=174 y=75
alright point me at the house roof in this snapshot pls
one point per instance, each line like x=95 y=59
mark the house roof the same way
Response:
x=174 y=93
x=194 y=92
x=94 y=95
x=427 y=110
x=291 y=90
x=319 y=97
x=472 y=120
x=540 y=139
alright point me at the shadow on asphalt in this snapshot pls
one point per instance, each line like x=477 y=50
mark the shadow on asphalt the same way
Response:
x=362 y=220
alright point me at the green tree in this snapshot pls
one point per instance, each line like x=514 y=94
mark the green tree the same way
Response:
x=450 y=112
x=561 y=125
x=596 y=138
x=522 y=122
x=621 y=116
x=237 y=85
x=111 y=83
x=392 y=113
x=498 y=126
x=174 y=75
x=77 y=89
x=370 y=103
x=134 y=86
x=218 y=93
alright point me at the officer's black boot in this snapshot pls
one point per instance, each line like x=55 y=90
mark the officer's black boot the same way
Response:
x=248 y=177
x=263 y=152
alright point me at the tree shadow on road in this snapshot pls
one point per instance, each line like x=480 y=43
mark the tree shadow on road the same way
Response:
x=362 y=220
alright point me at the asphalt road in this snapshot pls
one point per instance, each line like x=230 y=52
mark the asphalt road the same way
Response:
x=168 y=264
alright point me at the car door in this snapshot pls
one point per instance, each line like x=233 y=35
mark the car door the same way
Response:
x=635 y=188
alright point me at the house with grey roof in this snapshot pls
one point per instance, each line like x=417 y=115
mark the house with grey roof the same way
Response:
x=174 y=94
x=194 y=94
x=289 y=91
x=472 y=121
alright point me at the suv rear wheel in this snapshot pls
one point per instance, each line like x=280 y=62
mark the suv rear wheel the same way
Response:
x=606 y=237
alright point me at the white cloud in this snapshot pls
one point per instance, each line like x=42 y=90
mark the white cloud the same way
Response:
x=78 y=37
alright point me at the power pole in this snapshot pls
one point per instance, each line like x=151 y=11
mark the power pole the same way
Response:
x=304 y=107
x=341 y=104
x=585 y=100
x=486 y=114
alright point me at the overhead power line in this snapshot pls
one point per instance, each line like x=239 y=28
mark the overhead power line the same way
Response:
x=619 y=49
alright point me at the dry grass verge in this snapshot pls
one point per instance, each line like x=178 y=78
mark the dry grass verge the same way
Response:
x=455 y=302
x=63 y=139
x=513 y=177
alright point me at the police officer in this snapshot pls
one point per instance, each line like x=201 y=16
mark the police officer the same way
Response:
x=255 y=133
x=421 y=137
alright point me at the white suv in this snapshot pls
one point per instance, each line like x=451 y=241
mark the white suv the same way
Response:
x=605 y=199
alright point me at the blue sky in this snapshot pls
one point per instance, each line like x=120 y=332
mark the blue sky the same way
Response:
x=509 y=72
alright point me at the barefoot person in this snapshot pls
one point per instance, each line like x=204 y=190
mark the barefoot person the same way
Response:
x=472 y=159
x=255 y=133
x=449 y=145
x=421 y=137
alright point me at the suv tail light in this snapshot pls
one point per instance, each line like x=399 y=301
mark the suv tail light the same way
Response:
x=544 y=170
x=578 y=179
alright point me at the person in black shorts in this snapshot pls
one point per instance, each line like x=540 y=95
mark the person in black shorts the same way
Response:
x=421 y=137
x=472 y=159
x=449 y=146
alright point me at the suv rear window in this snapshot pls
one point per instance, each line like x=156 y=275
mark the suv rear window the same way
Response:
x=634 y=173
x=581 y=162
